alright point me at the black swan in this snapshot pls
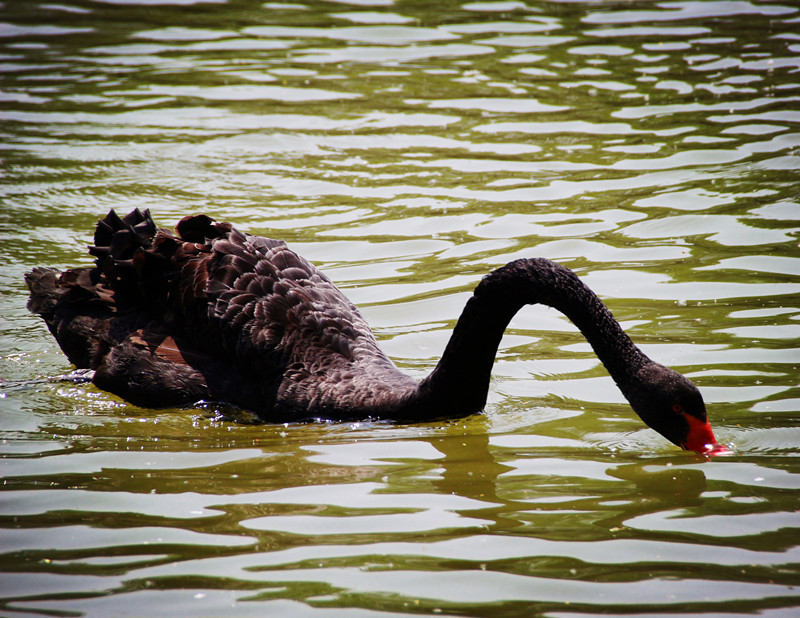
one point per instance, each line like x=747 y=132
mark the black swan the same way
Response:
x=210 y=313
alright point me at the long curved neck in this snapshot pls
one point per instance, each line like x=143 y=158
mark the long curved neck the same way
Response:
x=460 y=382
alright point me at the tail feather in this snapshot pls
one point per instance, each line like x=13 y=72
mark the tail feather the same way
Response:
x=136 y=280
x=117 y=239
x=45 y=291
x=142 y=316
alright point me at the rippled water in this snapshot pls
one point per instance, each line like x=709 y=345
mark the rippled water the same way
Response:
x=408 y=148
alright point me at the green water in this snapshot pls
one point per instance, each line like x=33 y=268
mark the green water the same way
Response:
x=408 y=148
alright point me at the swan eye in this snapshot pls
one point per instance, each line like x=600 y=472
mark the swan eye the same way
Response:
x=678 y=408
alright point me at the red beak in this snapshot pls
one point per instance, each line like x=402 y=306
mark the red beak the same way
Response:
x=701 y=438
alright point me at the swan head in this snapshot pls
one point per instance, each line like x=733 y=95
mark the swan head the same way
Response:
x=671 y=404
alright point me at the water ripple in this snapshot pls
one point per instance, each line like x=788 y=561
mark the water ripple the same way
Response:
x=408 y=149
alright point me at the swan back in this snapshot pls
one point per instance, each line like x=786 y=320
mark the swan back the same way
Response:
x=237 y=317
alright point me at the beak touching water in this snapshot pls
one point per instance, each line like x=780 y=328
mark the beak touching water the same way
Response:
x=701 y=439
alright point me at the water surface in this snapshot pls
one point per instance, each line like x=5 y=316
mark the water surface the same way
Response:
x=407 y=149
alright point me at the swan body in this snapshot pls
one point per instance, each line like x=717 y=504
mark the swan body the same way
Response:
x=210 y=313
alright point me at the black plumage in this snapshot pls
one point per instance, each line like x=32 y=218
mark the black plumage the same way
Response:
x=210 y=313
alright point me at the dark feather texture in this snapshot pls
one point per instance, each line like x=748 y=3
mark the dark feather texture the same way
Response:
x=208 y=312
